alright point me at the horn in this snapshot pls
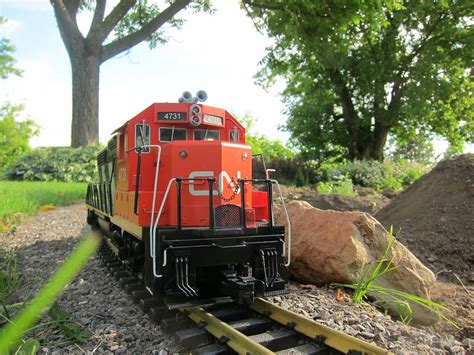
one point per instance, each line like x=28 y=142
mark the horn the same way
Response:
x=201 y=95
x=186 y=96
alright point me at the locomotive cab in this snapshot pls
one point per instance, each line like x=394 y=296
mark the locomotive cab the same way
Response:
x=177 y=201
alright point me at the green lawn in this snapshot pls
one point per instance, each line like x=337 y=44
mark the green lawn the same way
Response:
x=24 y=198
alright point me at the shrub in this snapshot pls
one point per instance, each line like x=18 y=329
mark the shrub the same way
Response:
x=380 y=176
x=341 y=187
x=56 y=164
x=15 y=133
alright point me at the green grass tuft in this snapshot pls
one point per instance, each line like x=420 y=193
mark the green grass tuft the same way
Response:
x=24 y=198
x=400 y=299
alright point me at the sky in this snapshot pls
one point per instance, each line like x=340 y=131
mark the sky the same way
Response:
x=217 y=53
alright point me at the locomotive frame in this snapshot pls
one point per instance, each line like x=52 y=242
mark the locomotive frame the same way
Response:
x=193 y=238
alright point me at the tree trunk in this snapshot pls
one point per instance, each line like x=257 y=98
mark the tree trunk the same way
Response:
x=85 y=100
x=378 y=142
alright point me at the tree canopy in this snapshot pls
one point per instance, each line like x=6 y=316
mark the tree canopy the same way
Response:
x=127 y=24
x=358 y=71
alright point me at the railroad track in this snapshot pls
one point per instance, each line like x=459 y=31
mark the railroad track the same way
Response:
x=227 y=328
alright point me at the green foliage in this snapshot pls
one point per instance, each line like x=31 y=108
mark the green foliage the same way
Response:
x=138 y=16
x=144 y=12
x=271 y=149
x=340 y=187
x=24 y=198
x=28 y=347
x=63 y=319
x=9 y=277
x=57 y=164
x=11 y=334
x=300 y=178
x=14 y=134
x=356 y=71
x=414 y=149
x=380 y=176
x=7 y=61
x=365 y=285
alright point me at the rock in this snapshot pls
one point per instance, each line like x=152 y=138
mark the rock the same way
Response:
x=468 y=343
x=331 y=246
x=84 y=320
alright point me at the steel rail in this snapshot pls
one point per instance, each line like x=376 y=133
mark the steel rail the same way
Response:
x=314 y=330
x=234 y=339
x=226 y=334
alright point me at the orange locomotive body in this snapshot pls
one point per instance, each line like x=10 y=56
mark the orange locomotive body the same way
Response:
x=176 y=198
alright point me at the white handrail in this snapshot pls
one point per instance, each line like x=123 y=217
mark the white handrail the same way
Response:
x=155 y=225
x=155 y=187
x=288 y=260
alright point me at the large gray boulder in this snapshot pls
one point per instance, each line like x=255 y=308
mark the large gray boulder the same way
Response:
x=331 y=246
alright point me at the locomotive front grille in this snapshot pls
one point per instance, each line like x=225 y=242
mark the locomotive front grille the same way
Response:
x=228 y=216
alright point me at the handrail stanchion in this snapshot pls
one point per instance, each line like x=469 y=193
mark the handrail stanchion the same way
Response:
x=211 y=202
x=270 y=203
x=178 y=183
x=242 y=199
x=288 y=256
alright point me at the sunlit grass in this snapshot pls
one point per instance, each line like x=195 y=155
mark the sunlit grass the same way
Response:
x=24 y=198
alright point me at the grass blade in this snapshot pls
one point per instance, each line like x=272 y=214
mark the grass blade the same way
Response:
x=29 y=347
x=12 y=332
x=63 y=319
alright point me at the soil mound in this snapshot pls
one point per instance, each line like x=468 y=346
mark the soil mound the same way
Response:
x=436 y=217
x=366 y=201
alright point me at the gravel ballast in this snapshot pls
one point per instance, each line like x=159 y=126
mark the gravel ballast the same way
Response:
x=95 y=300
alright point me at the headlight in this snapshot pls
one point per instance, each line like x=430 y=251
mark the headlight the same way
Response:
x=195 y=115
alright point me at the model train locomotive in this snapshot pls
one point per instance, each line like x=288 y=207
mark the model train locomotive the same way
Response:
x=177 y=203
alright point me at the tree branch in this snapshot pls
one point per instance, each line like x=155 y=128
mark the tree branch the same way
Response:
x=67 y=24
x=348 y=109
x=72 y=7
x=125 y=43
x=95 y=29
x=112 y=19
x=264 y=6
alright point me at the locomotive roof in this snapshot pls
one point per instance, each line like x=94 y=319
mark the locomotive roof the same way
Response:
x=183 y=104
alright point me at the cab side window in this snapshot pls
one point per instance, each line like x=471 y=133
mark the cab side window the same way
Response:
x=234 y=136
x=142 y=136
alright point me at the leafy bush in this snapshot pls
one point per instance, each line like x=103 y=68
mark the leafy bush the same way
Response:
x=14 y=133
x=380 y=176
x=57 y=164
x=341 y=187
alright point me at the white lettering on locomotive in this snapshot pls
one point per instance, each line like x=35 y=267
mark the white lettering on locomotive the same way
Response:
x=232 y=183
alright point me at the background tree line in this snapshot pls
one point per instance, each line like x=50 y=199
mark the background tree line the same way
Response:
x=364 y=80
x=357 y=72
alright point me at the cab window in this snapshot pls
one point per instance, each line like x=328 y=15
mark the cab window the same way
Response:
x=234 y=136
x=169 y=134
x=206 y=135
x=142 y=136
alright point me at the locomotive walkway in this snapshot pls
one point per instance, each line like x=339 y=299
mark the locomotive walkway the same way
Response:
x=261 y=328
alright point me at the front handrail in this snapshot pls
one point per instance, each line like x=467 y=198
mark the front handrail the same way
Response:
x=288 y=242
